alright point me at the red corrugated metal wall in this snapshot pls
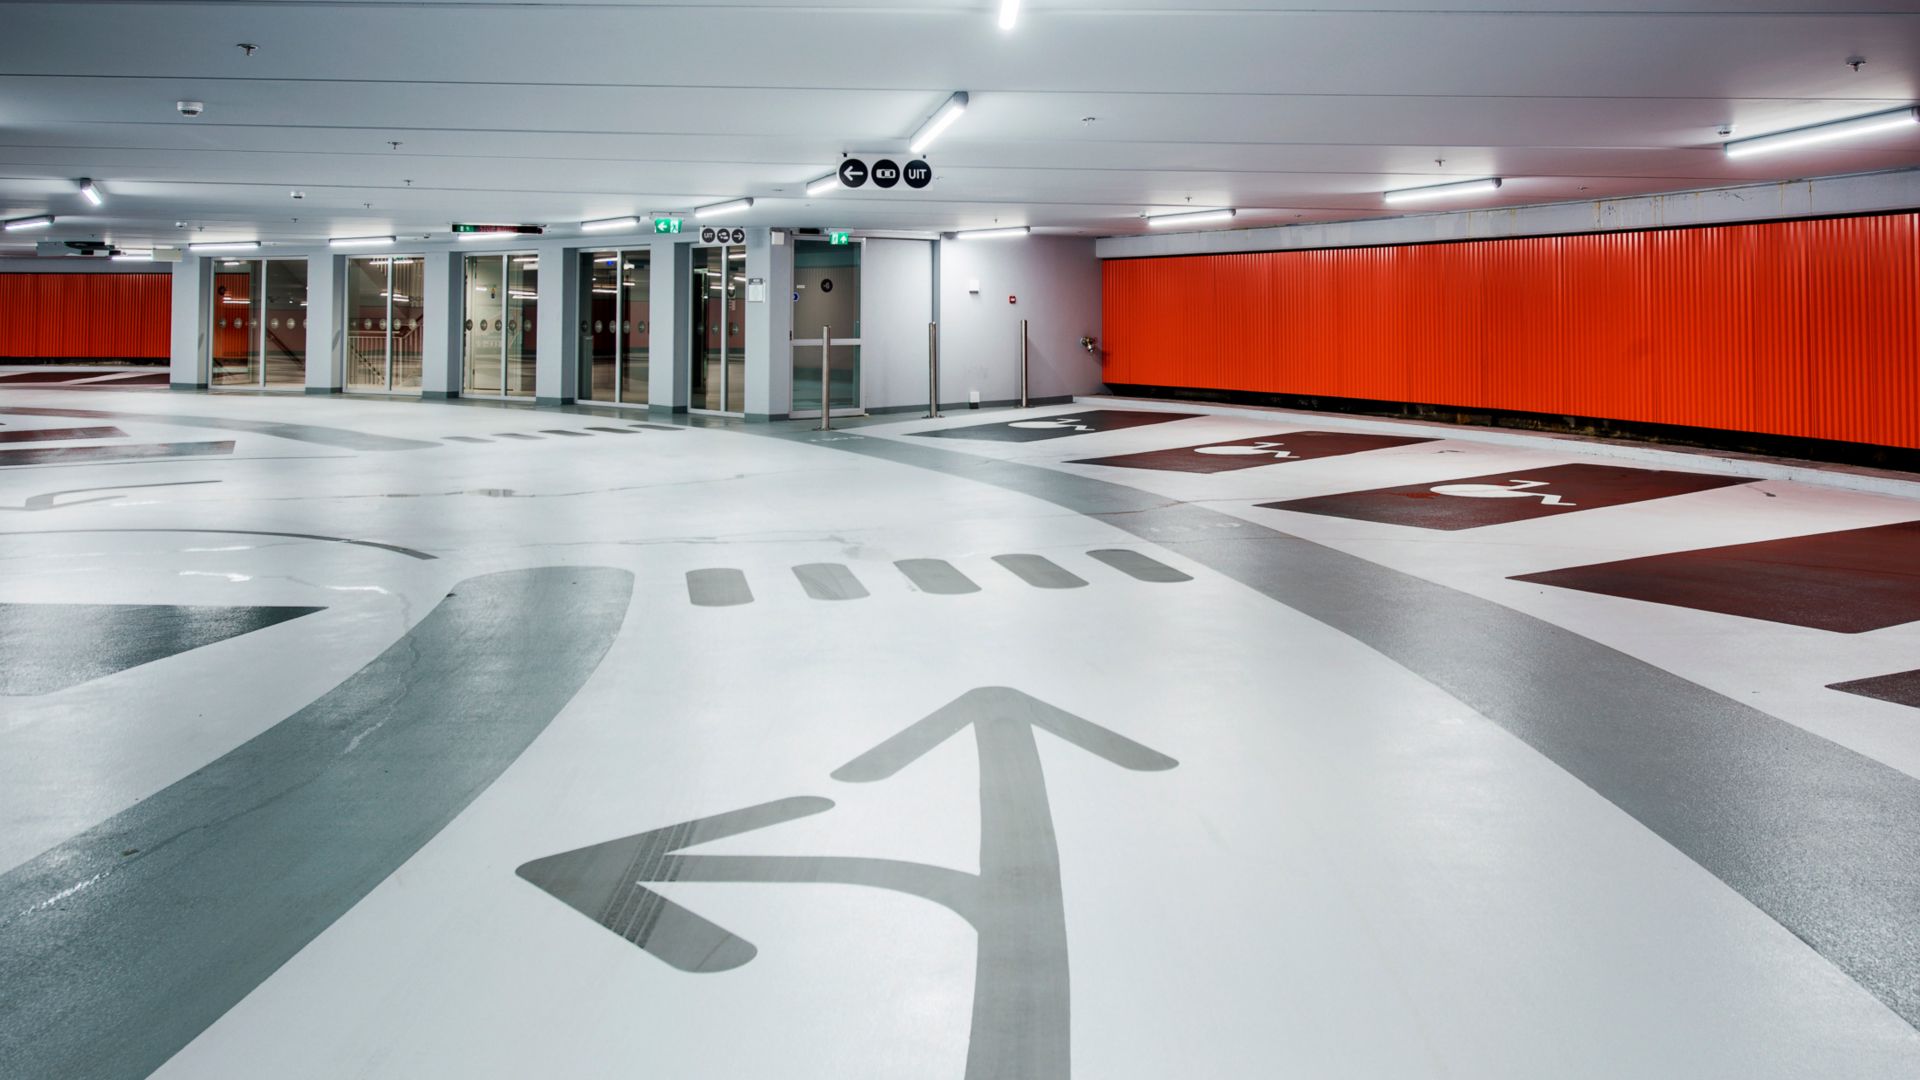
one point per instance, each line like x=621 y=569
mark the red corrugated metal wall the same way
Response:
x=1803 y=328
x=86 y=316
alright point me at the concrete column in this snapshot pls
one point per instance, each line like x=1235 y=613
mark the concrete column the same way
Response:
x=667 y=295
x=769 y=326
x=187 y=353
x=556 y=372
x=443 y=296
x=326 y=321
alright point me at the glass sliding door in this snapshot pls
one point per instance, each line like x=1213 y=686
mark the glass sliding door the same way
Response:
x=382 y=323
x=502 y=294
x=259 y=323
x=614 y=340
x=235 y=349
x=826 y=283
x=717 y=344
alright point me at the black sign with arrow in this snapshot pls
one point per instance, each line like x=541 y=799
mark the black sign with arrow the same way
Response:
x=853 y=173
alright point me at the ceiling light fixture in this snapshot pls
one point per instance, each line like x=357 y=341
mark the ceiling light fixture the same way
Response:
x=361 y=241
x=225 y=245
x=731 y=206
x=1009 y=13
x=1193 y=217
x=91 y=191
x=610 y=224
x=133 y=256
x=829 y=182
x=1821 y=133
x=37 y=221
x=1441 y=191
x=993 y=234
x=931 y=130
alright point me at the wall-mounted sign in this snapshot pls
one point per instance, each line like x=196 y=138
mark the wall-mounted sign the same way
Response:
x=666 y=225
x=885 y=173
x=505 y=230
x=711 y=235
x=839 y=236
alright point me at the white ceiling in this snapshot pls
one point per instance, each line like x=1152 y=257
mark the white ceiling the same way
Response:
x=521 y=110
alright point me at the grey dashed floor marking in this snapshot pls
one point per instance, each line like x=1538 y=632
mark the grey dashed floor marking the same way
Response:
x=614 y=430
x=718 y=587
x=513 y=435
x=829 y=581
x=467 y=438
x=569 y=434
x=936 y=576
x=1041 y=572
x=658 y=427
x=1136 y=565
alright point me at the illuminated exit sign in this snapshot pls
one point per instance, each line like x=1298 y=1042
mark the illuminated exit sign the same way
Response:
x=666 y=224
x=840 y=236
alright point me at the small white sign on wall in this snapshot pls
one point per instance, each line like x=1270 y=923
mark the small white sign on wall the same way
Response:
x=756 y=290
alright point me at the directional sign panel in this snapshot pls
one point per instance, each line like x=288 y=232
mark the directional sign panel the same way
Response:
x=1498 y=498
x=1848 y=582
x=1057 y=427
x=1253 y=453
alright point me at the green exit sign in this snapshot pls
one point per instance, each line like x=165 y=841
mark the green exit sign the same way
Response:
x=666 y=224
x=839 y=236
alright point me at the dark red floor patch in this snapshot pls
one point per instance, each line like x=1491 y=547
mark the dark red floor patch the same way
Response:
x=1901 y=688
x=1848 y=582
x=1056 y=427
x=1253 y=453
x=1498 y=498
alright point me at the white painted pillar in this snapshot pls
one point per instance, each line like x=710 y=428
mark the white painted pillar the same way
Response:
x=667 y=296
x=326 y=320
x=443 y=295
x=769 y=326
x=187 y=351
x=556 y=372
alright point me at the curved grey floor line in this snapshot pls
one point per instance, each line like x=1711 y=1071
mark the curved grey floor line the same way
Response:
x=124 y=943
x=307 y=433
x=1823 y=839
x=410 y=553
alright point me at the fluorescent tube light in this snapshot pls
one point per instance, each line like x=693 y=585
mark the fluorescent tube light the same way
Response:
x=931 y=130
x=1195 y=217
x=829 y=182
x=1009 y=13
x=361 y=241
x=134 y=256
x=228 y=245
x=1822 y=133
x=37 y=221
x=993 y=234
x=91 y=191
x=731 y=206
x=610 y=224
x=1441 y=191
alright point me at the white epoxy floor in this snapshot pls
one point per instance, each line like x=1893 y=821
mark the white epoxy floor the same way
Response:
x=1349 y=873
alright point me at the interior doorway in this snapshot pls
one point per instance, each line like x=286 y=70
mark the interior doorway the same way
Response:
x=717 y=344
x=826 y=286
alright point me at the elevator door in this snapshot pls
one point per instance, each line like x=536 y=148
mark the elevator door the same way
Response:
x=717 y=344
x=826 y=286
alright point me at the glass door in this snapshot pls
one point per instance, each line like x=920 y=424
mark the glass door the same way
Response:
x=826 y=283
x=382 y=323
x=614 y=338
x=259 y=323
x=497 y=332
x=717 y=343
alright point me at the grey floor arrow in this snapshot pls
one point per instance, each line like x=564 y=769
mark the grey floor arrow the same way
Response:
x=1021 y=1008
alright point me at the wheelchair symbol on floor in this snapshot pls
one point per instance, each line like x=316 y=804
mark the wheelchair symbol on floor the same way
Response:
x=1261 y=449
x=1514 y=489
x=1058 y=423
x=1015 y=904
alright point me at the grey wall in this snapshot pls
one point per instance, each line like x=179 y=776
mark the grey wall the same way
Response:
x=1057 y=282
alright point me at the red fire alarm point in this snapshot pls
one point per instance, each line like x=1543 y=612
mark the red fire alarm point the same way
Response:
x=1013 y=299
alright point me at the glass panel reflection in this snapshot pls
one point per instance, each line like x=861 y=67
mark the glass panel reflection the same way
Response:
x=286 y=330
x=599 y=360
x=483 y=327
x=635 y=342
x=366 y=316
x=234 y=353
x=523 y=299
x=409 y=280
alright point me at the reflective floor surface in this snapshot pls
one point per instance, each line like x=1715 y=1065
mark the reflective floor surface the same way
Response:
x=371 y=738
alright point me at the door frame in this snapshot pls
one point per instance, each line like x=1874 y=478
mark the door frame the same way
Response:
x=696 y=345
x=796 y=343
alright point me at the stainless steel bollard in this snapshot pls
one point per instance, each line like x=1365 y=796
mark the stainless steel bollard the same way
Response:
x=933 y=371
x=1023 y=363
x=826 y=378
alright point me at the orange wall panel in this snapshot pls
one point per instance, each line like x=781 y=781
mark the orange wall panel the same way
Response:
x=1805 y=328
x=86 y=316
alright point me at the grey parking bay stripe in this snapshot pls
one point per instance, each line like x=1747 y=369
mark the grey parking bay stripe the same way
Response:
x=1823 y=839
x=567 y=433
x=1135 y=565
x=829 y=581
x=1041 y=572
x=513 y=435
x=936 y=576
x=719 y=586
x=124 y=943
x=467 y=438
x=614 y=430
